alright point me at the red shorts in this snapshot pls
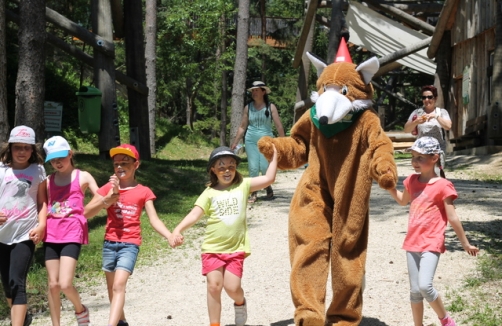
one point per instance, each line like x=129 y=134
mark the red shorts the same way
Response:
x=233 y=263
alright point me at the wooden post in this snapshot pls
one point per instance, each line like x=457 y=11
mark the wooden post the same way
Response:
x=381 y=115
x=104 y=78
x=135 y=65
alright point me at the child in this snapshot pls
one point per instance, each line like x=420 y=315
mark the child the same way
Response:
x=23 y=213
x=226 y=242
x=66 y=227
x=431 y=209
x=124 y=199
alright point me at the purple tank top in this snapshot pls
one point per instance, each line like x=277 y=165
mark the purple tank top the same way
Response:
x=65 y=213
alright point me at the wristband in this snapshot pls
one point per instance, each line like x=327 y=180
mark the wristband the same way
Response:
x=104 y=202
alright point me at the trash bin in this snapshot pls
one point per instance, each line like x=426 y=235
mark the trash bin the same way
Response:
x=89 y=109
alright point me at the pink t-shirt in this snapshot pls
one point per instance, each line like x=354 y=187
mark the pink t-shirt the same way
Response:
x=123 y=223
x=65 y=213
x=427 y=221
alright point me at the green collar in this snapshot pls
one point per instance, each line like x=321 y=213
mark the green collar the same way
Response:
x=330 y=130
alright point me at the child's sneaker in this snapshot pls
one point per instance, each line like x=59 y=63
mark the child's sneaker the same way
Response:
x=123 y=323
x=447 y=321
x=241 y=314
x=83 y=317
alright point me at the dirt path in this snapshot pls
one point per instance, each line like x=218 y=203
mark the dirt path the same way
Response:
x=173 y=292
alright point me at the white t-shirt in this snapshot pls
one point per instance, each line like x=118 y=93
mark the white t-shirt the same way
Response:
x=18 y=201
x=432 y=127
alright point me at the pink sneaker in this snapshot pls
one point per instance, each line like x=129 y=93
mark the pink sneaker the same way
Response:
x=447 y=321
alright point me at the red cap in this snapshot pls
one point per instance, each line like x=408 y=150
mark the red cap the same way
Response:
x=125 y=149
x=343 y=54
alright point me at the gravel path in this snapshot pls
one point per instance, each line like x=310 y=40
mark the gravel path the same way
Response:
x=172 y=291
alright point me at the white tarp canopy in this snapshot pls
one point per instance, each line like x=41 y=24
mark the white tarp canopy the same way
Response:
x=383 y=36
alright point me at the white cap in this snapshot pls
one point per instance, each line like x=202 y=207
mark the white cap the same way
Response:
x=22 y=134
x=56 y=147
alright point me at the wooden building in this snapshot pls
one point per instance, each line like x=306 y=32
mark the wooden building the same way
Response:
x=463 y=46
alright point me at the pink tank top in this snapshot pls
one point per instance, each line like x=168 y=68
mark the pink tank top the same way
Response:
x=65 y=213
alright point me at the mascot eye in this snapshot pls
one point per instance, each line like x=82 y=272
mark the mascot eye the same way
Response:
x=345 y=90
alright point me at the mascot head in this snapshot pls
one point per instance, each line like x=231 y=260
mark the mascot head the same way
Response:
x=342 y=87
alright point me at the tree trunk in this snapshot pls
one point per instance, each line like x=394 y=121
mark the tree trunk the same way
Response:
x=338 y=29
x=151 y=64
x=30 y=83
x=135 y=64
x=104 y=78
x=223 y=84
x=264 y=38
x=4 y=121
x=240 y=67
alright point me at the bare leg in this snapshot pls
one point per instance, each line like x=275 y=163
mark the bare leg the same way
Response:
x=438 y=307
x=116 y=283
x=232 y=285
x=417 y=309
x=66 y=275
x=214 y=287
x=52 y=267
x=17 y=314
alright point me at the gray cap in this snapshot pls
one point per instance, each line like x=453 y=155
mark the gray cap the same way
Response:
x=220 y=152
x=426 y=145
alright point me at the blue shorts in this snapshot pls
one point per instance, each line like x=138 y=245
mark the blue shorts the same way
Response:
x=119 y=255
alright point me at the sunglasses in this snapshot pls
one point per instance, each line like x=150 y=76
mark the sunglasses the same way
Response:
x=428 y=97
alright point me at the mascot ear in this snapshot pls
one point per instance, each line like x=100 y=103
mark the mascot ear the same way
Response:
x=368 y=69
x=317 y=62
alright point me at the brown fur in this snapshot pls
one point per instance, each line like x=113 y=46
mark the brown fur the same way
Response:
x=329 y=216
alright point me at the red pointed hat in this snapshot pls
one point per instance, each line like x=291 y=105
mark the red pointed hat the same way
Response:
x=343 y=54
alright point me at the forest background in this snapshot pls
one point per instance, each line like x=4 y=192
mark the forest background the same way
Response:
x=190 y=63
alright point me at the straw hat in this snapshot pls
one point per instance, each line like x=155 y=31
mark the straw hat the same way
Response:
x=259 y=84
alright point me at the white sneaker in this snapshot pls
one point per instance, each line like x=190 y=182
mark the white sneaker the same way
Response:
x=241 y=314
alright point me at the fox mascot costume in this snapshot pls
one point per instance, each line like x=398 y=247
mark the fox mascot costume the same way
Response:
x=342 y=141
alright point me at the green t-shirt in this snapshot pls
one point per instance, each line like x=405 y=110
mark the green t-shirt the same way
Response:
x=226 y=230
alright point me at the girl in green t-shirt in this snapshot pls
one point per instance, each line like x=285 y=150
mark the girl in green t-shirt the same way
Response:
x=226 y=241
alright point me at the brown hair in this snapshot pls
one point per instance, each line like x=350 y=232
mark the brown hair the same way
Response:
x=213 y=178
x=6 y=154
x=430 y=88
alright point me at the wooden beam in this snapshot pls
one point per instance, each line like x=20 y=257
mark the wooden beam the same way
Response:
x=309 y=20
x=96 y=41
x=84 y=57
x=403 y=16
x=444 y=16
x=391 y=57
x=118 y=18
x=385 y=69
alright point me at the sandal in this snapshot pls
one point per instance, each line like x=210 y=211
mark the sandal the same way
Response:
x=270 y=192
x=252 y=198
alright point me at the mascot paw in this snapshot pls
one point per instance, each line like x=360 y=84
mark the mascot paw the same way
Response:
x=387 y=180
x=265 y=147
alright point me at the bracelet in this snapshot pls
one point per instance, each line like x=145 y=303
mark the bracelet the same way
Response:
x=104 y=202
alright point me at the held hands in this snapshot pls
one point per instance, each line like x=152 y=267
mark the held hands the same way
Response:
x=37 y=234
x=175 y=240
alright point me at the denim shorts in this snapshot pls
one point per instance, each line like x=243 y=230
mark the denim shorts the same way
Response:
x=119 y=255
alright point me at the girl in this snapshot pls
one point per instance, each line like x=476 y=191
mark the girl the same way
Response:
x=257 y=119
x=23 y=214
x=431 y=209
x=124 y=199
x=226 y=242
x=66 y=227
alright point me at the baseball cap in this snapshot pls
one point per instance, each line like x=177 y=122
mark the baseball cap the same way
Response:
x=22 y=134
x=426 y=145
x=56 y=147
x=220 y=152
x=126 y=149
